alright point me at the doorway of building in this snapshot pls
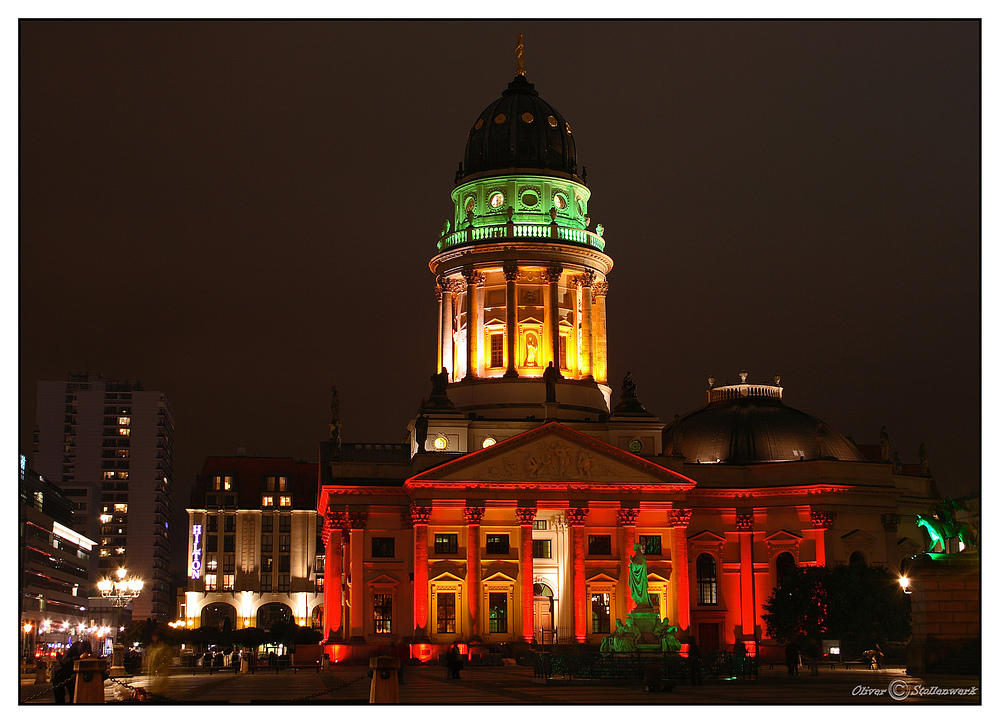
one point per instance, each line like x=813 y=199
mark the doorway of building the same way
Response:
x=708 y=637
x=544 y=614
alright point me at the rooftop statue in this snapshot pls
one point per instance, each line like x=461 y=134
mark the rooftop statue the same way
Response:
x=638 y=580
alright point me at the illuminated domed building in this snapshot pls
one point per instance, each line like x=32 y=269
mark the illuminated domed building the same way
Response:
x=509 y=513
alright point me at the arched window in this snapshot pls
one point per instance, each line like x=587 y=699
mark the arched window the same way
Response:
x=272 y=613
x=783 y=565
x=214 y=616
x=858 y=559
x=542 y=590
x=317 y=617
x=707 y=585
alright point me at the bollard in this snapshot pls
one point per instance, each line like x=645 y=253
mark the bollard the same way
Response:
x=245 y=665
x=41 y=672
x=89 y=681
x=385 y=682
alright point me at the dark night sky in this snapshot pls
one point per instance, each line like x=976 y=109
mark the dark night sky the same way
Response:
x=241 y=214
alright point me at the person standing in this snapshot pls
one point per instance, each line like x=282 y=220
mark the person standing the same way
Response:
x=62 y=676
x=455 y=662
x=694 y=664
x=792 y=658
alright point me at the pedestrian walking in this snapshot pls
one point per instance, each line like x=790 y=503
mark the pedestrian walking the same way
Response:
x=62 y=676
x=792 y=658
x=694 y=664
x=455 y=662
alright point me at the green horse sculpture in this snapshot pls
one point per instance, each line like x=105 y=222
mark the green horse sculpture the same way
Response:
x=943 y=530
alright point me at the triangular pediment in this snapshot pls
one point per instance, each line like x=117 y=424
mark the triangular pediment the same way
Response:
x=657 y=575
x=494 y=320
x=445 y=577
x=501 y=572
x=783 y=536
x=446 y=570
x=383 y=578
x=552 y=453
x=707 y=536
x=858 y=536
x=529 y=320
x=600 y=576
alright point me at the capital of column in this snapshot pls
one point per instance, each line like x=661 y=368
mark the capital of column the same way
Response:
x=577 y=516
x=473 y=277
x=526 y=516
x=511 y=272
x=333 y=520
x=628 y=516
x=744 y=519
x=420 y=514
x=822 y=518
x=438 y=292
x=585 y=278
x=679 y=518
x=474 y=515
x=599 y=289
x=358 y=520
x=552 y=274
x=453 y=286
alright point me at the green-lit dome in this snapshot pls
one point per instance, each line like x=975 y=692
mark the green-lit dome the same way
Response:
x=520 y=131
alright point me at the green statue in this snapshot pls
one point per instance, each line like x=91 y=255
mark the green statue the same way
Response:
x=638 y=580
x=624 y=638
x=943 y=526
x=665 y=633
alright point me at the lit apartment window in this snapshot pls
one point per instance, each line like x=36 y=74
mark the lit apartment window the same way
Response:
x=124 y=431
x=123 y=453
x=445 y=543
x=211 y=582
x=211 y=561
x=122 y=475
x=105 y=552
x=109 y=475
x=121 y=507
x=125 y=421
x=228 y=581
x=285 y=501
x=267 y=501
x=222 y=482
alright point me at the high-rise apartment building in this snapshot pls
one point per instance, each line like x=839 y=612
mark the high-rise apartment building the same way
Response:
x=109 y=446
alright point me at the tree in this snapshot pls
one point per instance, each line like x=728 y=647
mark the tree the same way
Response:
x=851 y=603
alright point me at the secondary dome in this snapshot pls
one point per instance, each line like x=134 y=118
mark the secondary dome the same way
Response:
x=520 y=131
x=746 y=423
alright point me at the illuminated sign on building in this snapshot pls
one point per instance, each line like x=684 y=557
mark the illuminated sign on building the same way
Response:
x=196 y=552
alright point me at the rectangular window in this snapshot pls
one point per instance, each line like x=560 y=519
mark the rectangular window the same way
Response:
x=211 y=543
x=211 y=582
x=382 y=608
x=228 y=544
x=445 y=543
x=319 y=583
x=284 y=582
x=542 y=548
x=229 y=563
x=600 y=545
x=497 y=544
x=285 y=501
x=562 y=352
x=230 y=524
x=446 y=613
x=498 y=613
x=284 y=564
x=651 y=544
x=267 y=501
x=600 y=612
x=126 y=421
x=228 y=581
x=383 y=547
x=284 y=543
x=654 y=601
x=267 y=524
x=320 y=563
x=265 y=582
x=496 y=350
x=266 y=563
x=211 y=561
x=124 y=431
x=266 y=543
x=284 y=524
x=213 y=524
x=540 y=525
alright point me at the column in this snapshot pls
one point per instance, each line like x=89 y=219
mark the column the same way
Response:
x=421 y=516
x=510 y=273
x=525 y=518
x=473 y=517
x=472 y=281
x=333 y=576
x=551 y=276
x=627 y=518
x=577 y=517
x=600 y=292
x=822 y=521
x=357 y=522
x=439 y=293
x=586 y=326
x=744 y=528
x=679 y=578
x=447 y=330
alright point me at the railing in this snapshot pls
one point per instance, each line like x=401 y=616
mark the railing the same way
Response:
x=673 y=667
x=510 y=230
x=732 y=392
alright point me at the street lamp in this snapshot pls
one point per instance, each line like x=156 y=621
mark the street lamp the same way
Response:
x=120 y=592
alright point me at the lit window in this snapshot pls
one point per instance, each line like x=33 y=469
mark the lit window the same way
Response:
x=651 y=544
x=560 y=201
x=446 y=613
x=707 y=586
x=121 y=507
x=382 y=607
x=125 y=421
x=109 y=475
x=540 y=525
x=542 y=548
x=122 y=475
x=496 y=199
x=445 y=543
x=228 y=581
x=267 y=501
x=124 y=431
x=285 y=501
x=211 y=582
x=600 y=612
x=123 y=453
x=496 y=350
x=105 y=552
x=498 y=612
x=440 y=443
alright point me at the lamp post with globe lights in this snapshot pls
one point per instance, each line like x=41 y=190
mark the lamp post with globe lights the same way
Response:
x=120 y=592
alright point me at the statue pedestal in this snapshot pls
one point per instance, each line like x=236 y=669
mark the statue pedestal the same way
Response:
x=645 y=620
